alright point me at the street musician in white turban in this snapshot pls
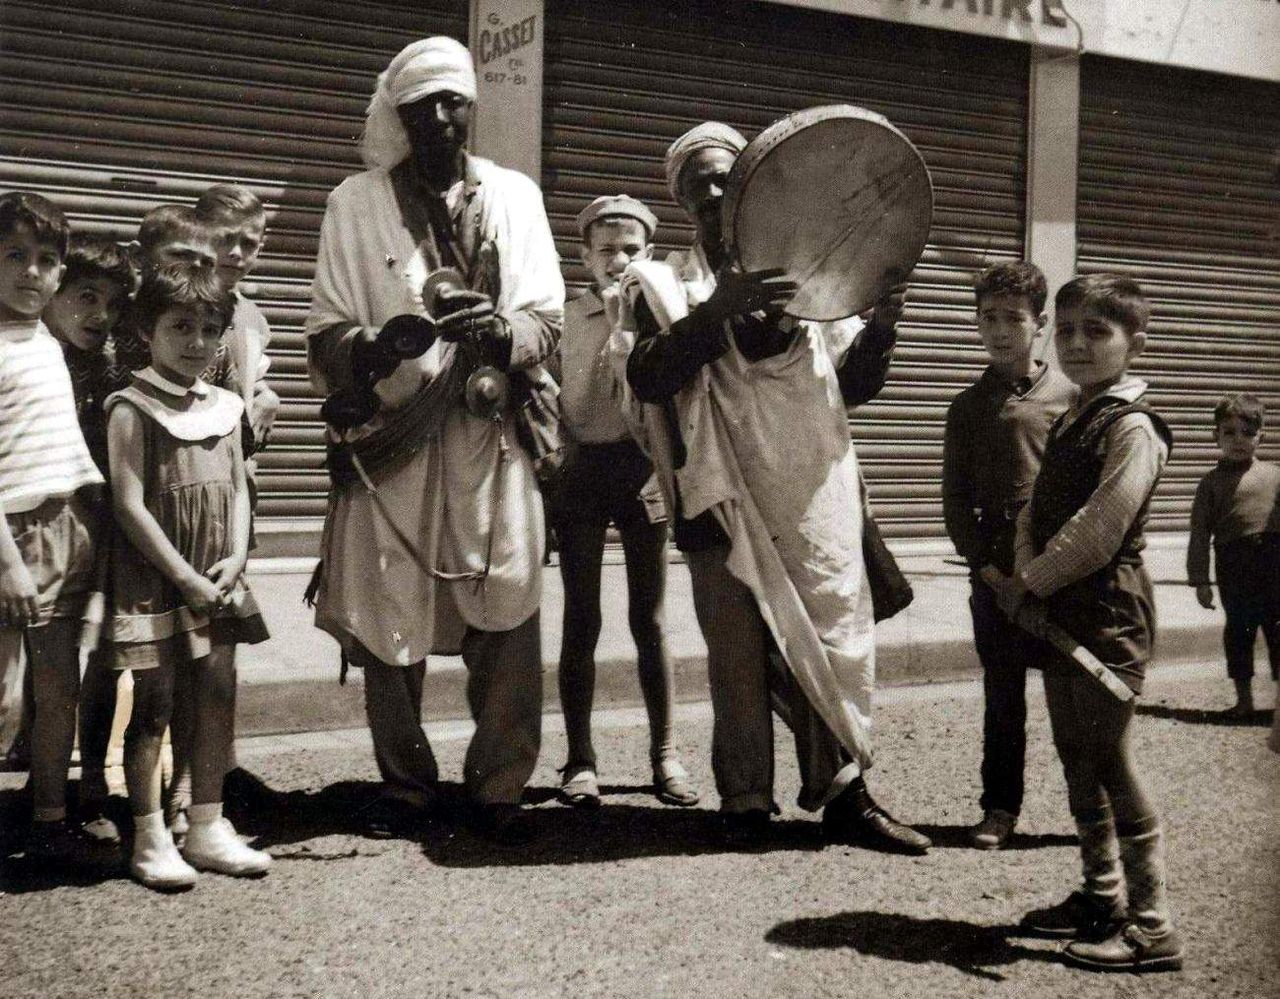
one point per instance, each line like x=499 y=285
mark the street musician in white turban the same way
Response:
x=434 y=537
x=743 y=411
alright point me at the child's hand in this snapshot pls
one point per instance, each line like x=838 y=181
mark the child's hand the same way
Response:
x=1010 y=591
x=19 y=599
x=1033 y=616
x=200 y=594
x=224 y=574
x=1204 y=594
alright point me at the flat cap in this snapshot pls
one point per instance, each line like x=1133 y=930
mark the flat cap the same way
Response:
x=617 y=204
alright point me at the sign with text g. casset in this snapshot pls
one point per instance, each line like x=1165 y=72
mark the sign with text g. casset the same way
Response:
x=506 y=44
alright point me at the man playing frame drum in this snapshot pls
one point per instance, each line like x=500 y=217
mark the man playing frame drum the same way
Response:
x=743 y=411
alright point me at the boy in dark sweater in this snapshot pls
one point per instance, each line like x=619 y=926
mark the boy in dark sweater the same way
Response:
x=1237 y=505
x=1078 y=562
x=996 y=429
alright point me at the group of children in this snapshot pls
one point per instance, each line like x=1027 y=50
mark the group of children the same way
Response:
x=1047 y=479
x=133 y=390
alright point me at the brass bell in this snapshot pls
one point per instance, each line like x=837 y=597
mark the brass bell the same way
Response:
x=486 y=392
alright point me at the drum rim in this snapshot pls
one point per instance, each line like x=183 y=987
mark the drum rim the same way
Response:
x=786 y=128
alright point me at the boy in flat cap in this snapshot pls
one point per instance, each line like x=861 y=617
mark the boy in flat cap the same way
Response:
x=610 y=481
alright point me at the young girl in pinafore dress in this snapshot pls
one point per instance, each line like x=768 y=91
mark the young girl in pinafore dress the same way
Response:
x=180 y=600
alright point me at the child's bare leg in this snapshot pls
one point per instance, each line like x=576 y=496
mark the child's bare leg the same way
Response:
x=181 y=734
x=212 y=715
x=152 y=707
x=15 y=686
x=97 y=712
x=55 y=665
x=211 y=842
x=155 y=861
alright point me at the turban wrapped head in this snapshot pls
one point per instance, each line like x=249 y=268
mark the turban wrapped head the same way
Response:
x=708 y=135
x=420 y=69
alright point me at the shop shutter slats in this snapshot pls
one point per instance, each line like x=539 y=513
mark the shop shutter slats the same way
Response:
x=115 y=106
x=621 y=82
x=1180 y=189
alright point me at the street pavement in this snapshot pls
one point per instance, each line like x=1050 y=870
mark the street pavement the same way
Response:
x=639 y=899
x=289 y=684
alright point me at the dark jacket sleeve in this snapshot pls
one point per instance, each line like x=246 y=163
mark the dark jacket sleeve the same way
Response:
x=866 y=364
x=663 y=361
x=958 y=507
x=1203 y=517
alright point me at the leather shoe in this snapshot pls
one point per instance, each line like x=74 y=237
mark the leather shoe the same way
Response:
x=504 y=825
x=747 y=830
x=853 y=817
x=388 y=817
x=1129 y=948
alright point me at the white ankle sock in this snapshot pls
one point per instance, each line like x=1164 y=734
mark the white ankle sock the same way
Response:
x=204 y=814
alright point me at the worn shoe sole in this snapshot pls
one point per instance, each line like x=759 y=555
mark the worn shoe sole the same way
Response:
x=1167 y=962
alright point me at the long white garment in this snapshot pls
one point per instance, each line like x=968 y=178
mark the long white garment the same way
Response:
x=769 y=452
x=469 y=496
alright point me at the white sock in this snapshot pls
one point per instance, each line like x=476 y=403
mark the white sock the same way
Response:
x=205 y=814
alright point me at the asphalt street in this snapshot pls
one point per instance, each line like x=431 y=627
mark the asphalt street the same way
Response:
x=639 y=899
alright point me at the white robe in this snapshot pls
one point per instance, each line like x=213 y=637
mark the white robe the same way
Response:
x=468 y=496
x=769 y=453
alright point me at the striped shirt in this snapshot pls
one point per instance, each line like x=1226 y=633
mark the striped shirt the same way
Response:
x=42 y=451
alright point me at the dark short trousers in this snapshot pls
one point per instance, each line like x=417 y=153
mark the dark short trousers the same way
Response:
x=57 y=548
x=607 y=483
x=1112 y=613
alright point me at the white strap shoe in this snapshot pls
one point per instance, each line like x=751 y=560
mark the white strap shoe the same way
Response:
x=156 y=862
x=214 y=846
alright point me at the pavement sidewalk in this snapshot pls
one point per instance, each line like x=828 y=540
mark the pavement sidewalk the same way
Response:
x=289 y=684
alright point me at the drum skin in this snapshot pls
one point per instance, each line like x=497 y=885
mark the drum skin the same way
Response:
x=836 y=197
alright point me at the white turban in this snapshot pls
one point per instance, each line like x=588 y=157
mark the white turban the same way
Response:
x=422 y=68
x=708 y=135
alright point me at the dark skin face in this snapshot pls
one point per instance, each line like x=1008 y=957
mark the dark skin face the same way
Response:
x=437 y=126
x=701 y=190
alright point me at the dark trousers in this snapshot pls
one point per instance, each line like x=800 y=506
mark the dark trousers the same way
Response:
x=1006 y=651
x=504 y=692
x=1248 y=572
x=747 y=679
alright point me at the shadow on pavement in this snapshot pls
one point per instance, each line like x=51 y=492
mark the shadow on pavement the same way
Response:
x=1199 y=716
x=971 y=948
x=89 y=865
x=566 y=835
x=957 y=837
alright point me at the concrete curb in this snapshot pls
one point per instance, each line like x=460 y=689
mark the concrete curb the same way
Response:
x=289 y=684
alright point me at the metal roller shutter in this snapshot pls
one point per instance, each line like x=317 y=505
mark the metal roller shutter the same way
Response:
x=114 y=106
x=623 y=81
x=1180 y=188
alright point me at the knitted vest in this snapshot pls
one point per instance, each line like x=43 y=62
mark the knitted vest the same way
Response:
x=1072 y=468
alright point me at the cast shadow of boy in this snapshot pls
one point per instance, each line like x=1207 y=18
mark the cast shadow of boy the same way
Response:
x=975 y=950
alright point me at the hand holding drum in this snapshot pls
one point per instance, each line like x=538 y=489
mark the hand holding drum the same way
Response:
x=740 y=293
x=837 y=200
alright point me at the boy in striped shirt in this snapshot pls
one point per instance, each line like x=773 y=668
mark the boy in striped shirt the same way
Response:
x=46 y=555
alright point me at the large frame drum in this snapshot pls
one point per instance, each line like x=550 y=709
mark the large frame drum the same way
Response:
x=836 y=197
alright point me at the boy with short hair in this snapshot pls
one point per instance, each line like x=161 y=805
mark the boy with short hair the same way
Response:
x=1078 y=562
x=46 y=552
x=994 y=440
x=237 y=222
x=168 y=236
x=610 y=480
x=82 y=317
x=1237 y=507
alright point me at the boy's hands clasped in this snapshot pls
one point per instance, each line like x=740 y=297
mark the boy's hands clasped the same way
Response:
x=1019 y=604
